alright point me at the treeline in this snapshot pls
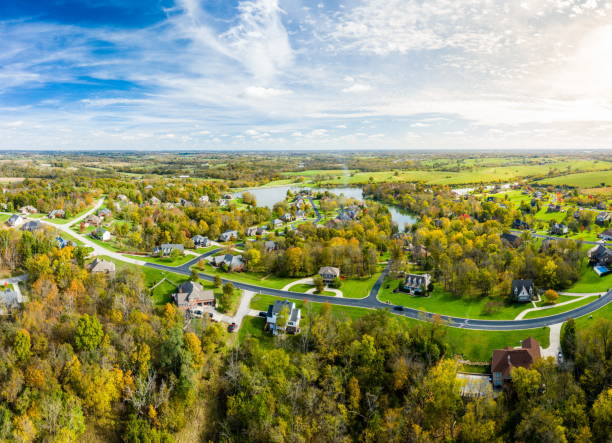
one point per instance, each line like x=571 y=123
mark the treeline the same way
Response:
x=375 y=380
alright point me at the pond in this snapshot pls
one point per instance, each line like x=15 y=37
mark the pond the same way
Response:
x=268 y=197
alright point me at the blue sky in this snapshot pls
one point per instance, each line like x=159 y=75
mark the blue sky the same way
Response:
x=293 y=74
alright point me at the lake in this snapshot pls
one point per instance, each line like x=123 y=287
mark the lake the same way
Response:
x=268 y=197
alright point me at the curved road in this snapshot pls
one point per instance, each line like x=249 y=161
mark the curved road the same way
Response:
x=372 y=302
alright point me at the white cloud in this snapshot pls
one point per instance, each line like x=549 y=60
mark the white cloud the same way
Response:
x=261 y=92
x=357 y=87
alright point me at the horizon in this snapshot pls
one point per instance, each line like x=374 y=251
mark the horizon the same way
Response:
x=280 y=75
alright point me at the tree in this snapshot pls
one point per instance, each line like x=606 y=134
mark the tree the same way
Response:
x=551 y=296
x=318 y=283
x=541 y=426
x=568 y=339
x=21 y=345
x=602 y=416
x=88 y=333
x=282 y=317
x=194 y=275
x=217 y=281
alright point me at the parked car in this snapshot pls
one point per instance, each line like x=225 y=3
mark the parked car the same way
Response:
x=263 y=314
x=398 y=308
x=231 y=328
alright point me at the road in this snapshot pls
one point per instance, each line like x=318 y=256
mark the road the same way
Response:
x=369 y=302
x=372 y=302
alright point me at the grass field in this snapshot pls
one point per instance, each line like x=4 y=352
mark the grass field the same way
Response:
x=604 y=312
x=591 y=282
x=441 y=302
x=473 y=345
x=582 y=180
x=167 y=261
x=560 y=309
x=267 y=280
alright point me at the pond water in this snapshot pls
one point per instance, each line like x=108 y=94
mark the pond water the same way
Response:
x=270 y=196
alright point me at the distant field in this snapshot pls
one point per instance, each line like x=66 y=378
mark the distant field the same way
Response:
x=581 y=180
x=313 y=172
x=11 y=179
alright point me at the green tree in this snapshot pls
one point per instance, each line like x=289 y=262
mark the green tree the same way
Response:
x=217 y=281
x=22 y=345
x=568 y=339
x=88 y=333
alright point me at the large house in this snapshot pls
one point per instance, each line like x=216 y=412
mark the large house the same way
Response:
x=606 y=235
x=191 y=295
x=277 y=223
x=203 y=200
x=101 y=234
x=504 y=360
x=559 y=229
x=28 y=210
x=232 y=263
x=292 y=323
x=33 y=225
x=523 y=290
x=57 y=213
x=94 y=220
x=600 y=255
x=102 y=266
x=15 y=220
x=200 y=241
x=329 y=274
x=166 y=249
x=228 y=235
x=511 y=239
x=416 y=284
x=287 y=217
x=520 y=224
x=10 y=300
x=251 y=231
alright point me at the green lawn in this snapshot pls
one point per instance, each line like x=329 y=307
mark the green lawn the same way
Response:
x=205 y=250
x=167 y=261
x=64 y=221
x=472 y=344
x=604 y=312
x=561 y=299
x=581 y=180
x=253 y=327
x=359 y=287
x=591 y=282
x=267 y=280
x=4 y=217
x=444 y=303
x=560 y=309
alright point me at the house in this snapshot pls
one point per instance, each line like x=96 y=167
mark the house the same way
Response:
x=15 y=220
x=520 y=224
x=57 y=213
x=505 y=360
x=104 y=213
x=148 y=187
x=419 y=251
x=10 y=300
x=228 y=196
x=553 y=208
x=523 y=290
x=62 y=242
x=291 y=322
x=511 y=239
x=154 y=200
x=277 y=223
x=300 y=213
x=168 y=205
x=261 y=230
x=101 y=266
x=329 y=274
x=559 y=229
x=223 y=202
x=270 y=246
x=203 y=200
x=191 y=295
x=93 y=220
x=123 y=198
x=101 y=234
x=600 y=255
x=166 y=249
x=232 y=263
x=287 y=217
x=199 y=241
x=251 y=231
x=228 y=235
x=31 y=226
x=347 y=215
x=606 y=235
x=602 y=218
x=533 y=203
x=28 y=210
x=416 y=284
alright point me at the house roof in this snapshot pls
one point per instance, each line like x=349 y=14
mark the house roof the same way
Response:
x=504 y=360
x=100 y=265
x=329 y=270
x=193 y=292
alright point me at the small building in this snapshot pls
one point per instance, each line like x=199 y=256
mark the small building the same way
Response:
x=61 y=242
x=33 y=225
x=101 y=234
x=523 y=290
x=15 y=220
x=192 y=295
x=105 y=213
x=553 y=208
x=57 y=213
x=10 y=300
x=559 y=229
x=505 y=360
x=232 y=263
x=199 y=241
x=416 y=284
x=101 y=266
x=602 y=218
x=270 y=246
x=606 y=235
x=520 y=224
x=165 y=249
x=28 y=210
x=292 y=322
x=123 y=198
x=329 y=274
x=228 y=236
x=251 y=231
x=223 y=202
x=277 y=223
x=600 y=255
x=154 y=200
x=93 y=220
x=287 y=217
x=511 y=239
x=261 y=230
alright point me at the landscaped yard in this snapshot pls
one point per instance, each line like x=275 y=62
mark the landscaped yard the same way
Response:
x=167 y=261
x=266 y=280
x=444 y=303
x=591 y=282
x=559 y=309
x=472 y=344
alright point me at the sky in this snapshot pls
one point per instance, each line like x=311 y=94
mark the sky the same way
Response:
x=297 y=74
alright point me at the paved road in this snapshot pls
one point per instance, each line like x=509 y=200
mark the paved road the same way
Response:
x=552 y=237
x=372 y=302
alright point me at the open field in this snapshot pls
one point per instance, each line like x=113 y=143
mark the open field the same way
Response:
x=581 y=180
x=471 y=344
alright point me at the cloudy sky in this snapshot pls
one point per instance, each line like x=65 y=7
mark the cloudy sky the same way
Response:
x=284 y=74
